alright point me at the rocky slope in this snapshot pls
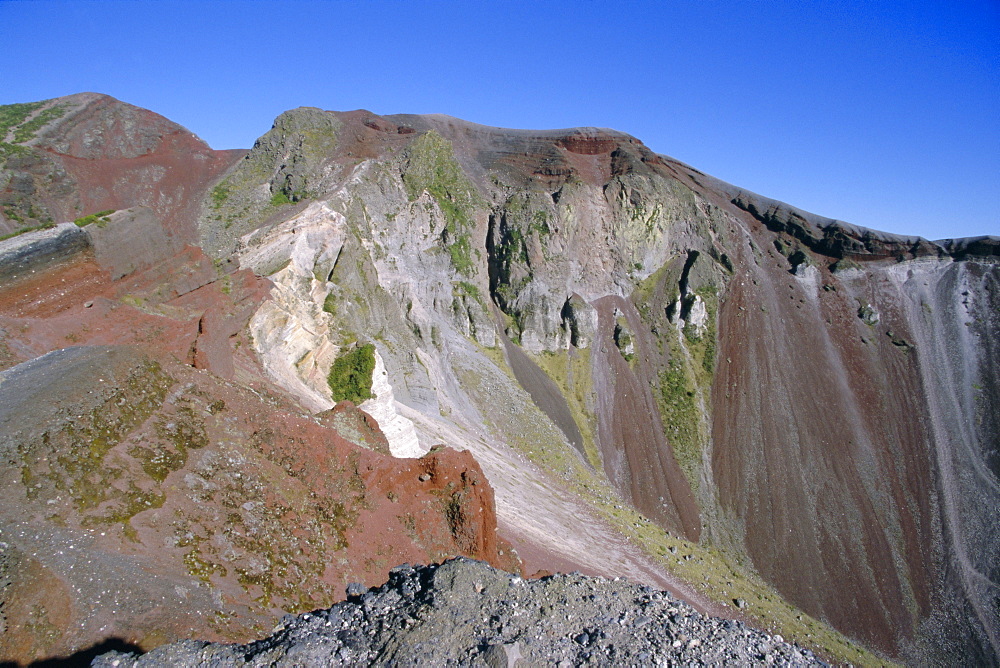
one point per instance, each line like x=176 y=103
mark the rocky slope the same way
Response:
x=77 y=155
x=153 y=502
x=464 y=613
x=662 y=376
x=156 y=486
x=788 y=391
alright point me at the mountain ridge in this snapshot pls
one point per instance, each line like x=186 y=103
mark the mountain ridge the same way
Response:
x=437 y=119
x=766 y=400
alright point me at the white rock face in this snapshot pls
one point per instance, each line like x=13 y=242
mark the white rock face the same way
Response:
x=292 y=333
x=809 y=277
x=698 y=316
x=402 y=436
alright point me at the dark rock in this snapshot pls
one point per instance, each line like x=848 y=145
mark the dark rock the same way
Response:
x=460 y=624
x=37 y=251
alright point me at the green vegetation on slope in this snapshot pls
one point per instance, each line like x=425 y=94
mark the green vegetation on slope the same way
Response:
x=570 y=371
x=350 y=376
x=432 y=167
x=686 y=364
x=21 y=204
x=679 y=411
x=280 y=198
x=12 y=150
x=15 y=117
x=466 y=289
x=685 y=386
x=101 y=218
x=98 y=484
x=219 y=194
x=26 y=131
x=709 y=571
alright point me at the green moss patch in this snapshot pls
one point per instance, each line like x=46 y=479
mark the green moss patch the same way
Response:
x=432 y=168
x=219 y=194
x=466 y=289
x=350 y=376
x=681 y=416
x=101 y=218
x=685 y=386
x=23 y=230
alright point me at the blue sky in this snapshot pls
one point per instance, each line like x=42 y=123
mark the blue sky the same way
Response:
x=883 y=114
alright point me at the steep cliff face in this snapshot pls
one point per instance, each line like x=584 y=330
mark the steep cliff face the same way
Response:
x=843 y=368
x=774 y=386
x=662 y=376
x=156 y=485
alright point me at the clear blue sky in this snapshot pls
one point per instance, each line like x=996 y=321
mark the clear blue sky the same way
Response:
x=883 y=114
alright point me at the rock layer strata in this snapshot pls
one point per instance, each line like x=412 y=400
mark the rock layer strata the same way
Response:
x=662 y=375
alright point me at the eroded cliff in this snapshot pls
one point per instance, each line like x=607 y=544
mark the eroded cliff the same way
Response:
x=754 y=379
x=662 y=376
x=156 y=485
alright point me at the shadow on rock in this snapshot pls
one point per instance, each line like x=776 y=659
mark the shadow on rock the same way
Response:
x=81 y=658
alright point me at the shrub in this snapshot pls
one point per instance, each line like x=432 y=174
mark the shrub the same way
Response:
x=280 y=198
x=27 y=131
x=351 y=374
x=12 y=115
x=219 y=195
x=101 y=218
x=468 y=289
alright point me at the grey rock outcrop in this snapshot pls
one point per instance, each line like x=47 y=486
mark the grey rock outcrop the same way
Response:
x=27 y=253
x=465 y=613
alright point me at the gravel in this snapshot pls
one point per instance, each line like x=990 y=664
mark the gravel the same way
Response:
x=466 y=613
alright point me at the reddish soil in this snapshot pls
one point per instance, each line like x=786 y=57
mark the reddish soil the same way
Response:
x=821 y=453
x=627 y=414
x=200 y=508
x=183 y=306
x=140 y=159
x=322 y=511
x=170 y=180
x=211 y=506
x=588 y=144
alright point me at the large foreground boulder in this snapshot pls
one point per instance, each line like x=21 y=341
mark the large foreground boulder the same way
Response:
x=464 y=612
